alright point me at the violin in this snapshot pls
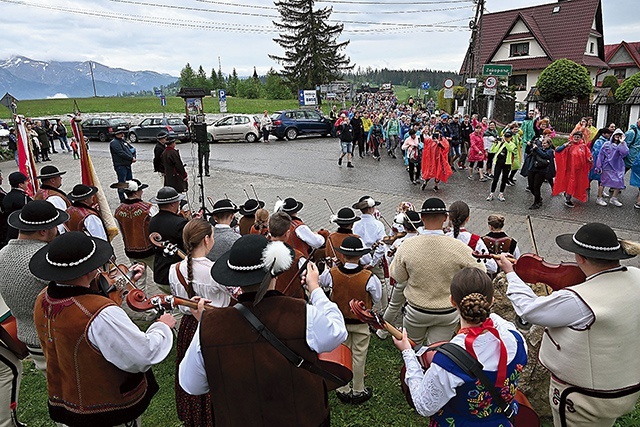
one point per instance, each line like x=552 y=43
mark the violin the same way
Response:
x=116 y=282
x=388 y=240
x=532 y=268
x=170 y=249
x=137 y=300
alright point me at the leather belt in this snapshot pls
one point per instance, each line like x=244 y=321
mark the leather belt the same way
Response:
x=436 y=311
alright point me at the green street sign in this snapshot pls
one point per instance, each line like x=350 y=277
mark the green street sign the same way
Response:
x=496 y=70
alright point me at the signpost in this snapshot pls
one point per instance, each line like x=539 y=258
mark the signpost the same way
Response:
x=222 y=99
x=307 y=98
x=448 y=94
x=163 y=102
x=497 y=70
x=425 y=85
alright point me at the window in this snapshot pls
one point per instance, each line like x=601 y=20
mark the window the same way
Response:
x=519 y=81
x=241 y=120
x=228 y=121
x=519 y=49
x=620 y=73
x=592 y=47
x=313 y=115
x=146 y=122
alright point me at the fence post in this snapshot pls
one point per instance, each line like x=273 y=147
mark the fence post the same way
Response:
x=532 y=105
x=603 y=110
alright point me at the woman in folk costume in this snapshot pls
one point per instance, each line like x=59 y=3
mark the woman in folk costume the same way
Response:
x=573 y=162
x=435 y=160
x=610 y=166
x=188 y=278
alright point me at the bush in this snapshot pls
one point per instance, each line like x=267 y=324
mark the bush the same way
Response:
x=612 y=82
x=564 y=79
x=627 y=86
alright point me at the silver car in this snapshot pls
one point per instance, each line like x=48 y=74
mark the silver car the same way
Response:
x=235 y=127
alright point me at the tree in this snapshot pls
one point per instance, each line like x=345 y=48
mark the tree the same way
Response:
x=222 y=83
x=627 y=86
x=255 y=73
x=274 y=88
x=249 y=88
x=214 y=83
x=312 y=53
x=564 y=79
x=612 y=82
x=232 y=83
x=201 y=79
x=187 y=76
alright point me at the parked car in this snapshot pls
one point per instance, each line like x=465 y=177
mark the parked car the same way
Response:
x=291 y=123
x=148 y=129
x=237 y=127
x=102 y=128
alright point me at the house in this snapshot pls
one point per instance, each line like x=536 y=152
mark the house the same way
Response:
x=623 y=59
x=531 y=38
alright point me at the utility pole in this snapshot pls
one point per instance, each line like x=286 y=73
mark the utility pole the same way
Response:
x=93 y=80
x=475 y=46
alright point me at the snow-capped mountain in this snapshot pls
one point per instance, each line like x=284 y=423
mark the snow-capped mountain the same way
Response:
x=26 y=78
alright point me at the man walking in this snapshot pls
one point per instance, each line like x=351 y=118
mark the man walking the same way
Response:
x=123 y=156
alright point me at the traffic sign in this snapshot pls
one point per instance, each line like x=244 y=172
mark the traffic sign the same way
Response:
x=490 y=91
x=448 y=83
x=472 y=81
x=448 y=94
x=222 y=95
x=426 y=85
x=163 y=101
x=497 y=70
x=491 y=82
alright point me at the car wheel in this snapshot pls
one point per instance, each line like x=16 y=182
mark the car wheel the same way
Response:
x=251 y=137
x=291 y=133
x=324 y=135
x=133 y=138
x=102 y=137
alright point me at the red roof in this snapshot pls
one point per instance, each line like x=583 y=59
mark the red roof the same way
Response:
x=633 y=48
x=563 y=34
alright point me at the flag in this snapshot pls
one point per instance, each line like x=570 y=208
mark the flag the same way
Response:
x=26 y=162
x=89 y=177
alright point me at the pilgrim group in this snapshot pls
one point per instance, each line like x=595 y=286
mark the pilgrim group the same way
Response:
x=262 y=298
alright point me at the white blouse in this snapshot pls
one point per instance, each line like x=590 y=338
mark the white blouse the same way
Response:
x=203 y=284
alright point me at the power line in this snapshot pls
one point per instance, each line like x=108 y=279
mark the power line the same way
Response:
x=391 y=3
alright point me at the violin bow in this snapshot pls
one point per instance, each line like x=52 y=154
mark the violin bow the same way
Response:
x=303 y=267
x=254 y=191
x=329 y=206
x=112 y=260
x=532 y=235
x=246 y=194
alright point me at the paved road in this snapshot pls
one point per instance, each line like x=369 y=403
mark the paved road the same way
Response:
x=307 y=170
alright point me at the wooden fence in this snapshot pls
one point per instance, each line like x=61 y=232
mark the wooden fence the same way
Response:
x=565 y=115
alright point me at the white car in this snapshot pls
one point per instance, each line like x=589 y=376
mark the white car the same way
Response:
x=235 y=127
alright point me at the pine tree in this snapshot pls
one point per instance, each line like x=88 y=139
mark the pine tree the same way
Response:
x=255 y=73
x=232 y=83
x=222 y=83
x=213 y=80
x=187 y=76
x=201 y=79
x=312 y=53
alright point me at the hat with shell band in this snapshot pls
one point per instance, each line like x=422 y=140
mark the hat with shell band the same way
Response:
x=250 y=206
x=82 y=192
x=37 y=215
x=166 y=195
x=433 y=206
x=345 y=216
x=352 y=246
x=595 y=240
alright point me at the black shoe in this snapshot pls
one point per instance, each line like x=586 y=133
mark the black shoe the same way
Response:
x=423 y=186
x=207 y=174
x=344 y=397
x=490 y=175
x=535 y=206
x=349 y=165
x=362 y=397
x=569 y=204
x=54 y=152
x=393 y=156
x=415 y=182
x=340 y=161
x=436 y=189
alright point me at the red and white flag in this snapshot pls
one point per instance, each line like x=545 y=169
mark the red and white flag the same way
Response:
x=26 y=162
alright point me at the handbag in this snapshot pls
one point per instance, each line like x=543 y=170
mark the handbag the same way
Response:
x=540 y=163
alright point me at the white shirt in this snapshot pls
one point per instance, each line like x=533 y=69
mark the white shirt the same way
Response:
x=59 y=203
x=465 y=237
x=122 y=343
x=374 y=287
x=202 y=283
x=370 y=231
x=325 y=330
x=94 y=226
x=425 y=232
x=561 y=308
x=312 y=239
x=431 y=390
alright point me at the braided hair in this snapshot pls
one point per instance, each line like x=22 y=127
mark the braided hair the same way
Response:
x=192 y=235
x=472 y=291
x=458 y=214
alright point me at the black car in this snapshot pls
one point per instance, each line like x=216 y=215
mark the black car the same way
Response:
x=103 y=129
x=291 y=123
x=148 y=129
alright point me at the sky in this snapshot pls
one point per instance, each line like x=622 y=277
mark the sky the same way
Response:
x=163 y=35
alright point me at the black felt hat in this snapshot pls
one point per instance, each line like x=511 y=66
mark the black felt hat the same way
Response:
x=594 y=240
x=365 y=202
x=166 y=195
x=37 y=215
x=250 y=206
x=224 y=205
x=345 y=216
x=82 y=192
x=410 y=219
x=49 y=171
x=352 y=246
x=130 y=186
x=290 y=205
x=70 y=256
x=249 y=259
x=433 y=206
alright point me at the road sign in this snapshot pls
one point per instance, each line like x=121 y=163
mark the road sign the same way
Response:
x=448 y=83
x=157 y=92
x=222 y=96
x=307 y=98
x=425 y=85
x=491 y=82
x=496 y=70
x=163 y=101
x=223 y=106
x=490 y=91
x=472 y=81
x=448 y=94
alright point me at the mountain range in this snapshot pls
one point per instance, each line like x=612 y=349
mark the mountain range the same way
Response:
x=26 y=78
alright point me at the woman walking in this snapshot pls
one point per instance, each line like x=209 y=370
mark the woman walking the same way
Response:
x=502 y=151
x=542 y=168
x=477 y=153
x=412 y=147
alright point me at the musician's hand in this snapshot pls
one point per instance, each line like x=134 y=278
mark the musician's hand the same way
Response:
x=138 y=270
x=504 y=263
x=168 y=320
x=201 y=302
x=310 y=277
x=404 y=343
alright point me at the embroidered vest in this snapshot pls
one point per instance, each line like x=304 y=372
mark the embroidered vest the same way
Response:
x=77 y=215
x=286 y=277
x=45 y=192
x=498 y=245
x=84 y=388
x=348 y=285
x=133 y=220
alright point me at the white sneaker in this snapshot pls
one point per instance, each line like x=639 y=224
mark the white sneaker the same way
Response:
x=501 y=197
x=490 y=197
x=600 y=201
x=615 y=202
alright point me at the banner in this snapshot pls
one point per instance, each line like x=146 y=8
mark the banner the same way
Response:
x=26 y=162
x=89 y=177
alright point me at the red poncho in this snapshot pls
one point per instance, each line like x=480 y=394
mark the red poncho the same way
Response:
x=435 y=160
x=572 y=171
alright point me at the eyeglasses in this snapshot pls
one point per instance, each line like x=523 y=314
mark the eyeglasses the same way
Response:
x=577 y=136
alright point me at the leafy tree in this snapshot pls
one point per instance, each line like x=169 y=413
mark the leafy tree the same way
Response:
x=249 y=88
x=564 y=79
x=312 y=53
x=187 y=77
x=446 y=105
x=627 y=86
x=232 y=83
x=612 y=82
x=275 y=88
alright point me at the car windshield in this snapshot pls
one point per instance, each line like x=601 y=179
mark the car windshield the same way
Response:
x=116 y=122
x=276 y=115
x=174 y=121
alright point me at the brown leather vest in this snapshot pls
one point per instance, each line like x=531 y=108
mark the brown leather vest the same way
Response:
x=336 y=240
x=133 y=219
x=84 y=388
x=45 y=192
x=245 y=224
x=347 y=286
x=251 y=383
x=283 y=279
x=294 y=241
x=77 y=214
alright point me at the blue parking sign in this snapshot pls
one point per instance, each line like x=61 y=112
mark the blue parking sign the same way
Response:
x=222 y=95
x=426 y=85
